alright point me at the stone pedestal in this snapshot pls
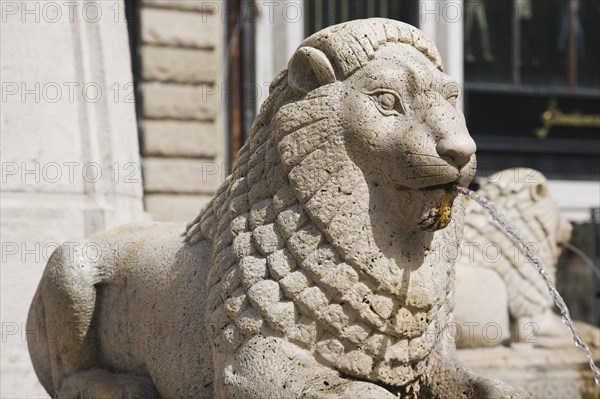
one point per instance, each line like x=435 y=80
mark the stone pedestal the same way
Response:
x=70 y=157
x=549 y=373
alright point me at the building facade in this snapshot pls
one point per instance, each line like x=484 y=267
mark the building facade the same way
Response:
x=155 y=97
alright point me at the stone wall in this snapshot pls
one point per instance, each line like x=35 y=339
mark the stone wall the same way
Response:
x=70 y=155
x=182 y=130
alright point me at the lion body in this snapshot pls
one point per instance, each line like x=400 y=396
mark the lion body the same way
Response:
x=313 y=272
x=109 y=299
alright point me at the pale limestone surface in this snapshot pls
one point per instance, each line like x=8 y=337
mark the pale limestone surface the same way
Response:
x=314 y=272
x=178 y=139
x=173 y=101
x=180 y=65
x=180 y=175
x=175 y=206
x=192 y=30
x=206 y=6
x=68 y=120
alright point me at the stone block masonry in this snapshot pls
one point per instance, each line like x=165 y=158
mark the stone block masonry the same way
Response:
x=183 y=137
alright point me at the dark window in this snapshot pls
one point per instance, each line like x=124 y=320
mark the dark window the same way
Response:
x=532 y=79
x=322 y=13
x=552 y=43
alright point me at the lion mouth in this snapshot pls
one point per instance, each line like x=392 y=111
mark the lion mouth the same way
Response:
x=440 y=215
x=451 y=186
x=448 y=187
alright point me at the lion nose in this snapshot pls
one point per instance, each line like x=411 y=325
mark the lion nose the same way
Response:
x=457 y=149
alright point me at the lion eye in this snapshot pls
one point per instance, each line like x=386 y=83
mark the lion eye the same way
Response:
x=452 y=98
x=388 y=102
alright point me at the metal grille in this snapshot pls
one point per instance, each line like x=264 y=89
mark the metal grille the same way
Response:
x=322 y=13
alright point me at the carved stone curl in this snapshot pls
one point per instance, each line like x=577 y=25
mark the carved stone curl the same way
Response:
x=314 y=272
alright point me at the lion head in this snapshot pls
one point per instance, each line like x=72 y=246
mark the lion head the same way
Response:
x=327 y=230
x=392 y=113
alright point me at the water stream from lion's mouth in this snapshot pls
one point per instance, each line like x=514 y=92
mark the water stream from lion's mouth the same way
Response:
x=558 y=300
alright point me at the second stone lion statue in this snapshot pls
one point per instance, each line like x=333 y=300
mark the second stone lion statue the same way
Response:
x=314 y=272
x=521 y=310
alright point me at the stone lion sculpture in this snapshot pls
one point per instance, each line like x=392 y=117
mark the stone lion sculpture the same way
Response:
x=513 y=333
x=520 y=308
x=312 y=273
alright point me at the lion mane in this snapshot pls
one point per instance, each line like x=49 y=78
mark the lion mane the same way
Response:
x=291 y=255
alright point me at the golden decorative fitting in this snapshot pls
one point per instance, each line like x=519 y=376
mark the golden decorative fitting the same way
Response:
x=554 y=117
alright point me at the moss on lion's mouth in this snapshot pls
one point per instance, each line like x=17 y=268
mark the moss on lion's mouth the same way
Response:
x=440 y=216
x=445 y=209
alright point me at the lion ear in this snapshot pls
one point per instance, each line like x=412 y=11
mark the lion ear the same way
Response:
x=308 y=69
